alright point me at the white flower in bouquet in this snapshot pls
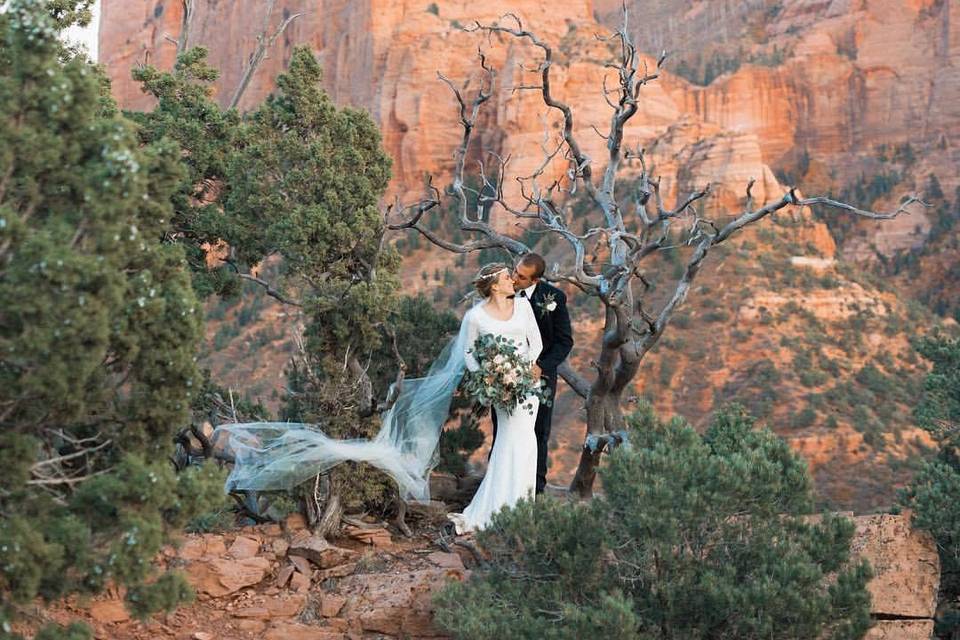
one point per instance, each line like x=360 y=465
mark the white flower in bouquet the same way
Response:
x=503 y=378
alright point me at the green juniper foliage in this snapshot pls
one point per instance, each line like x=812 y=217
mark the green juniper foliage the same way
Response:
x=934 y=493
x=306 y=186
x=98 y=330
x=694 y=537
x=300 y=179
x=210 y=137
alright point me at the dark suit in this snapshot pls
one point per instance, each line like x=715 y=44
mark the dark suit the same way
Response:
x=557 y=342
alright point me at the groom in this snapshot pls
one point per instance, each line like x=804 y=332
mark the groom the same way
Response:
x=550 y=308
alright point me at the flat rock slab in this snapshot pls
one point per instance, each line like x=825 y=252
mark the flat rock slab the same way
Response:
x=446 y=560
x=901 y=630
x=200 y=547
x=905 y=564
x=273 y=608
x=398 y=605
x=244 y=547
x=318 y=551
x=292 y=631
x=221 y=576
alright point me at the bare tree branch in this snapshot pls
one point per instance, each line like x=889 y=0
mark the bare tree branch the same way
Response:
x=577 y=382
x=269 y=289
x=183 y=41
x=260 y=52
x=38 y=467
x=394 y=392
x=69 y=481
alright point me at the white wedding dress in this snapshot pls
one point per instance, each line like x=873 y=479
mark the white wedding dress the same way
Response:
x=512 y=470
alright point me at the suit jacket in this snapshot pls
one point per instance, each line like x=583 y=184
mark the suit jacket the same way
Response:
x=554 y=327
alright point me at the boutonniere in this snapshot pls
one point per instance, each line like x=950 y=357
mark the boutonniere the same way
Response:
x=548 y=304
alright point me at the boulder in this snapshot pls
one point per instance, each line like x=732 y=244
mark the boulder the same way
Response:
x=219 y=577
x=399 y=604
x=378 y=537
x=337 y=572
x=905 y=564
x=200 y=547
x=300 y=582
x=900 y=630
x=317 y=550
x=284 y=576
x=331 y=604
x=280 y=546
x=244 y=547
x=446 y=560
x=302 y=565
x=274 y=608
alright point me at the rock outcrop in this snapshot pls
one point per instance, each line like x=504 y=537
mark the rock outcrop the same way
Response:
x=847 y=76
x=387 y=592
x=385 y=56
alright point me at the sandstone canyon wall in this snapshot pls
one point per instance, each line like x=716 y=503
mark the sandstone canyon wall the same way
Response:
x=385 y=56
x=853 y=75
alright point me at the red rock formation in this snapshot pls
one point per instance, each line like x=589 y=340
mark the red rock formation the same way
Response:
x=854 y=74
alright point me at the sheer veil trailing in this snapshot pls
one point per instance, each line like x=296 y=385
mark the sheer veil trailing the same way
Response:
x=280 y=455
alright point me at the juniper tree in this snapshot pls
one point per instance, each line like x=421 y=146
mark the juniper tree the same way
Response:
x=299 y=179
x=694 y=537
x=934 y=492
x=98 y=330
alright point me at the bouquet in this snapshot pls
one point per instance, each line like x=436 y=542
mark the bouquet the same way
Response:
x=504 y=378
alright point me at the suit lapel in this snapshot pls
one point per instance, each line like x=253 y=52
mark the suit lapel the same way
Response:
x=537 y=292
x=536 y=301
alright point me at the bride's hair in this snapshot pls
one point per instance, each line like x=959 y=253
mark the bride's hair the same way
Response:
x=487 y=275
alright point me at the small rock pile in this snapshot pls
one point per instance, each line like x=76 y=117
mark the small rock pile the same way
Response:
x=280 y=582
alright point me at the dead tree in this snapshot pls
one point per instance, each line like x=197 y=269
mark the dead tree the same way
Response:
x=632 y=324
x=265 y=40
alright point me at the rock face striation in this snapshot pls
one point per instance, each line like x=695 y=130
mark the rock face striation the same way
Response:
x=836 y=78
x=385 y=57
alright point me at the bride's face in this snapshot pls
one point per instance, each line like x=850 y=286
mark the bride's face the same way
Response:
x=504 y=283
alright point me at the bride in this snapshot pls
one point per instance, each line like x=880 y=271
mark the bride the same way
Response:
x=270 y=456
x=512 y=470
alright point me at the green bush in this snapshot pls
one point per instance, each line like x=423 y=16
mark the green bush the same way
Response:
x=98 y=330
x=806 y=417
x=694 y=537
x=934 y=493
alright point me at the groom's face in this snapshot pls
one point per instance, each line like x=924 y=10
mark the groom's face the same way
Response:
x=523 y=276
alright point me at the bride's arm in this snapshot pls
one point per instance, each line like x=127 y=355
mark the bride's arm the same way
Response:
x=534 y=341
x=470 y=320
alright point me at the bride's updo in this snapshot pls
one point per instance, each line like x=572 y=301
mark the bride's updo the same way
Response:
x=487 y=276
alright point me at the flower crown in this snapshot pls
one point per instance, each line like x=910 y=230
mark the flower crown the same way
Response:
x=487 y=276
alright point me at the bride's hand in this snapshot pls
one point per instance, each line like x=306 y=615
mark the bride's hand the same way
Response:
x=537 y=371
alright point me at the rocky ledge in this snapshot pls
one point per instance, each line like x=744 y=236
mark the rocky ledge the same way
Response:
x=279 y=582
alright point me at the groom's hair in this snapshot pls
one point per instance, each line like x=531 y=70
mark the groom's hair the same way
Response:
x=536 y=261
